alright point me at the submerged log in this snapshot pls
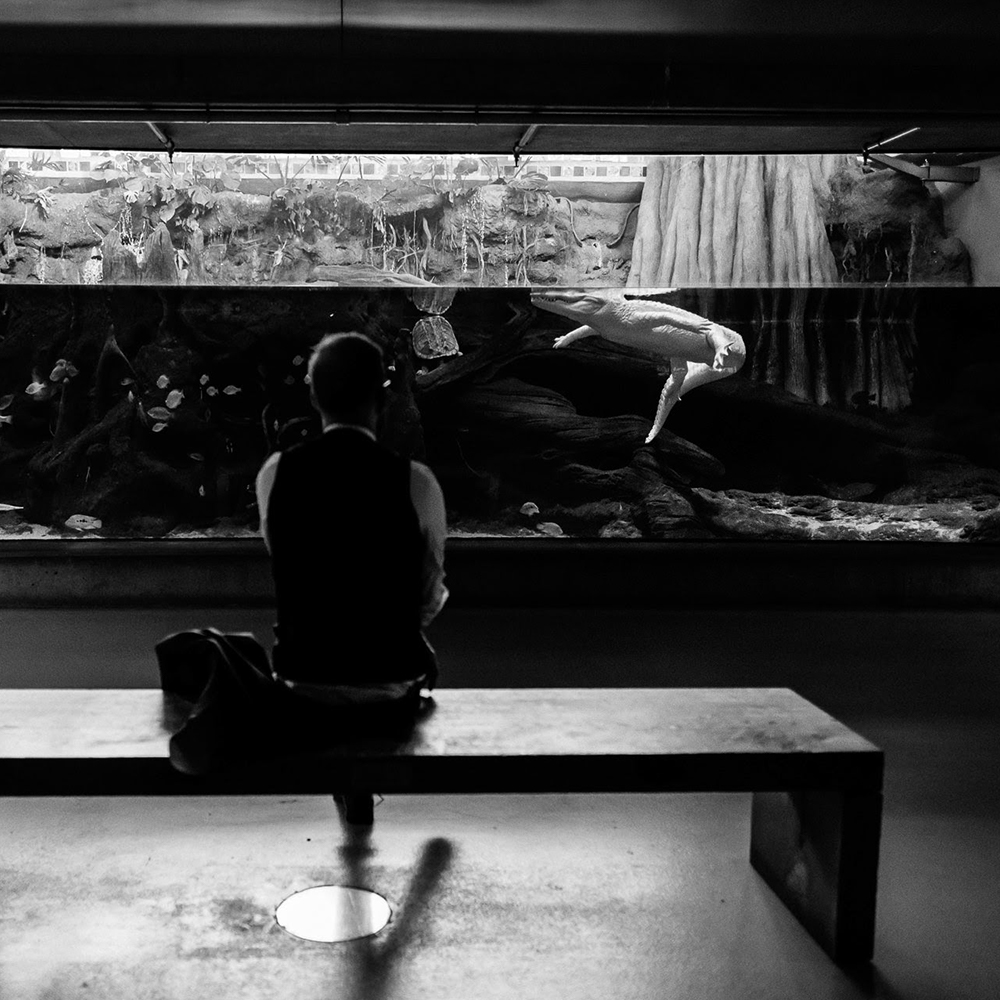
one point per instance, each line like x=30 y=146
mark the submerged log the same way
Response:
x=535 y=436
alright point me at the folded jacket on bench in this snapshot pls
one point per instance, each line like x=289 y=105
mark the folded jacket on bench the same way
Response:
x=235 y=711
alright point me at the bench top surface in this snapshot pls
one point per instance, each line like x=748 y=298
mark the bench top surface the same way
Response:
x=78 y=724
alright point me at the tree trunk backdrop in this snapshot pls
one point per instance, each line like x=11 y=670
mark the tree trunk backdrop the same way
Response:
x=734 y=220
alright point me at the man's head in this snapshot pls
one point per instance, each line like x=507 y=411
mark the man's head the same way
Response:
x=347 y=376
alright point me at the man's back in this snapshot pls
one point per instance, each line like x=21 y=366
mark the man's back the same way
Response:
x=347 y=554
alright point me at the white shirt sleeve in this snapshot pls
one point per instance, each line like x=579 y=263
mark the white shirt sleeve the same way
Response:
x=265 y=481
x=428 y=501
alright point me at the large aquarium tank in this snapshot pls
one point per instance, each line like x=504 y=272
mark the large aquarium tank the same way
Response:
x=788 y=348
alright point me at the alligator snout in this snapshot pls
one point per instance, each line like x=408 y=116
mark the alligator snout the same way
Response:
x=559 y=300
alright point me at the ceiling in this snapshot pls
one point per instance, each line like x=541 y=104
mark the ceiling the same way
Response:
x=416 y=76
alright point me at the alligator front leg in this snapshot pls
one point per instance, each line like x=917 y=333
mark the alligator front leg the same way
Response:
x=730 y=352
x=578 y=334
x=699 y=374
x=669 y=395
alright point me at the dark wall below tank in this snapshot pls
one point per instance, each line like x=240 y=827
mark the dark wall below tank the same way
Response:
x=852 y=662
x=555 y=573
x=862 y=629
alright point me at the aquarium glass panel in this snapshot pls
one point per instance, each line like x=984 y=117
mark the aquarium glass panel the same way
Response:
x=635 y=348
x=698 y=414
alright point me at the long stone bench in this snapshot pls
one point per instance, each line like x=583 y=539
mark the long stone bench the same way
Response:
x=817 y=786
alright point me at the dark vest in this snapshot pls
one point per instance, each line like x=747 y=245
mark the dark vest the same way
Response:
x=347 y=555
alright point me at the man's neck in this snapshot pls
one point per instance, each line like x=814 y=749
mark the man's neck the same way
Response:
x=335 y=425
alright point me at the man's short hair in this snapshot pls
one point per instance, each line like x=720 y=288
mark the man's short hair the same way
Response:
x=346 y=373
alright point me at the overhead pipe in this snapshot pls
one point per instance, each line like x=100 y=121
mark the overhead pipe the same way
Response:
x=166 y=141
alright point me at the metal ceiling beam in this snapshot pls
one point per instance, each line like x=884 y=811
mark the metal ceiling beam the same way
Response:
x=499 y=134
x=927 y=171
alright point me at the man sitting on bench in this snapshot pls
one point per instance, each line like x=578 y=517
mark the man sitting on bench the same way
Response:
x=356 y=536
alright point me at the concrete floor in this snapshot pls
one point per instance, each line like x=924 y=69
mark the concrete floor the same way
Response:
x=632 y=896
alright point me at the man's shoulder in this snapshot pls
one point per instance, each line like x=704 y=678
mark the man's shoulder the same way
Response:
x=270 y=464
x=422 y=474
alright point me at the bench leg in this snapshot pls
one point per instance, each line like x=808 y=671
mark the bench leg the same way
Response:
x=818 y=851
x=357 y=808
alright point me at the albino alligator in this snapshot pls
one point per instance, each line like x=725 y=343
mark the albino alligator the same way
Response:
x=697 y=349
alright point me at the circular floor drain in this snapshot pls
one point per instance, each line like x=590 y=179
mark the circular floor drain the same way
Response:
x=333 y=913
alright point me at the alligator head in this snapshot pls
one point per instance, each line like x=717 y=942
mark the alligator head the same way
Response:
x=574 y=303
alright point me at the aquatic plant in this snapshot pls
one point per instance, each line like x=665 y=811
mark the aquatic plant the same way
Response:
x=177 y=193
x=17 y=184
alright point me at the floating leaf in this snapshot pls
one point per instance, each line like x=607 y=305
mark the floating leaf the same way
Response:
x=197 y=456
x=174 y=398
x=289 y=380
x=203 y=380
x=5 y=401
x=158 y=427
x=298 y=359
x=231 y=390
x=201 y=491
x=63 y=369
x=159 y=413
x=212 y=391
x=162 y=382
x=127 y=381
x=40 y=390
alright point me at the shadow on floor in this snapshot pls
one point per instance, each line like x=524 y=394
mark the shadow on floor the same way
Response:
x=375 y=958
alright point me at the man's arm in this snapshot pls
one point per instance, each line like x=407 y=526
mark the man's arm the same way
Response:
x=428 y=501
x=265 y=481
